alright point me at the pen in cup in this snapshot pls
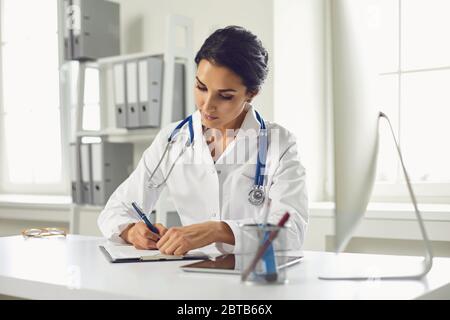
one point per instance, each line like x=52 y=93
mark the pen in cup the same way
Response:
x=263 y=248
x=268 y=257
x=141 y=214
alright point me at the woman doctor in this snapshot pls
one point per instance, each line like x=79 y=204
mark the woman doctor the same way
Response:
x=220 y=168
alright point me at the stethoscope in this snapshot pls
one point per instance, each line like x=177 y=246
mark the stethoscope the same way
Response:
x=257 y=194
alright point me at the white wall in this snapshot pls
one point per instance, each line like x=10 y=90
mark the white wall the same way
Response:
x=143 y=28
x=300 y=83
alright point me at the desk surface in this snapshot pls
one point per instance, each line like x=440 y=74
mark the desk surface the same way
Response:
x=75 y=268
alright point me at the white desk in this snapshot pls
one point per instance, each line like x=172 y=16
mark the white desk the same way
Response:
x=75 y=268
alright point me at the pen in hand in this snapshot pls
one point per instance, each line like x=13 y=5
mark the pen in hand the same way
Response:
x=141 y=214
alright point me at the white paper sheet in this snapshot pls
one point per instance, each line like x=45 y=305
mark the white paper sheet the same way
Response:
x=130 y=252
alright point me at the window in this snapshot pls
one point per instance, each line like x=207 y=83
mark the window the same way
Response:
x=30 y=119
x=413 y=70
x=413 y=86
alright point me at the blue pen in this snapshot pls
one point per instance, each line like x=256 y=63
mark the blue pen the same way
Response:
x=144 y=217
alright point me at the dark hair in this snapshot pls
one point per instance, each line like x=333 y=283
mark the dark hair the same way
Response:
x=239 y=50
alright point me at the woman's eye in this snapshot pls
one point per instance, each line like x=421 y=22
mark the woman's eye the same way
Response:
x=205 y=89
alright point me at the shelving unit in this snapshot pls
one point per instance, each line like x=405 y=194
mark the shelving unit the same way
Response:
x=172 y=54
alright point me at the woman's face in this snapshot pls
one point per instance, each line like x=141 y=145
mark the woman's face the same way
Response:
x=220 y=95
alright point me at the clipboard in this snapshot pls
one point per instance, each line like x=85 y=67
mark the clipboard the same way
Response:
x=127 y=254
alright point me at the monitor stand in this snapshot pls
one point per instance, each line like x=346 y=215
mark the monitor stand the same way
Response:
x=420 y=269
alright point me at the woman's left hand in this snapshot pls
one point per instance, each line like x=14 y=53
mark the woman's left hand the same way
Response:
x=179 y=240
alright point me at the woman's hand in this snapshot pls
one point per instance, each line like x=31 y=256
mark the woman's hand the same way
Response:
x=179 y=240
x=141 y=237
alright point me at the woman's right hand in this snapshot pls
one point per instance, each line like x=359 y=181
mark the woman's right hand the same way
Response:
x=141 y=237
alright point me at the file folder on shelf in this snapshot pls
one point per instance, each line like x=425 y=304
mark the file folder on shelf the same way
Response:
x=86 y=173
x=111 y=165
x=132 y=94
x=150 y=91
x=120 y=94
x=178 y=102
x=76 y=193
x=91 y=29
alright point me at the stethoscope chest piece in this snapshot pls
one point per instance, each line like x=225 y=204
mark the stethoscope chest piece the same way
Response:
x=256 y=196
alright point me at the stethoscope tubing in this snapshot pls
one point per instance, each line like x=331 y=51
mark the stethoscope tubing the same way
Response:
x=260 y=164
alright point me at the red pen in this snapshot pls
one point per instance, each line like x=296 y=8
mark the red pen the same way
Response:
x=262 y=249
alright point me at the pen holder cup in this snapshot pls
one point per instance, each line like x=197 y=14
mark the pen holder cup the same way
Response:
x=258 y=267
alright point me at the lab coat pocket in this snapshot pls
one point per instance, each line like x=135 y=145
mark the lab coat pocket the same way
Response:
x=248 y=171
x=242 y=183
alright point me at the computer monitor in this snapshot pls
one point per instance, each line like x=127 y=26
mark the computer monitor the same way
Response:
x=356 y=122
x=355 y=117
x=355 y=161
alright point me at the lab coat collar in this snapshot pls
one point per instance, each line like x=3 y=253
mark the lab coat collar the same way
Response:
x=249 y=127
x=197 y=123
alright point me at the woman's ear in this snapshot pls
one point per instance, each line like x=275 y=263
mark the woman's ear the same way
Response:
x=251 y=95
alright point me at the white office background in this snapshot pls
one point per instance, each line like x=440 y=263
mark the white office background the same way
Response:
x=414 y=73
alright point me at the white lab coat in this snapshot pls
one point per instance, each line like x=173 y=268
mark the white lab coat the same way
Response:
x=203 y=190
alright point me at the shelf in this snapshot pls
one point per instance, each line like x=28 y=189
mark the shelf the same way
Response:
x=121 y=58
x=123 y=135
x=91 y=133
x=88 y=207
